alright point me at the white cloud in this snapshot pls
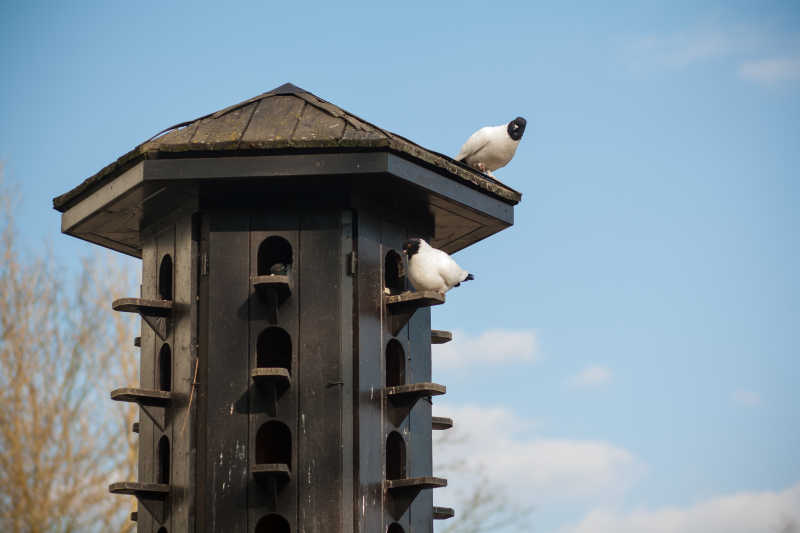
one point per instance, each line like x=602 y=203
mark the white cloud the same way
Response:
x=495 y=443
x=680 y=50
x=771 y=71
x=747 y=397
x=744 y=512
x=495 y=346
x=591 y=376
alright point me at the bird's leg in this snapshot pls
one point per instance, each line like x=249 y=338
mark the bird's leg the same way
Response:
x=489 y=173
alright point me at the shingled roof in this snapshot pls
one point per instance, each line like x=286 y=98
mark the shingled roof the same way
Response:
x=284 y=119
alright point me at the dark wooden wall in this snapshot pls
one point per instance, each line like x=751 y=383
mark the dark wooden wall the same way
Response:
x=335 y=407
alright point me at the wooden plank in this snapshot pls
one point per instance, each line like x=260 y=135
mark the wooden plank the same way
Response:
x=184 y=361
x=228 y=377
x=273 y=121
x=347 y=364
x=147 y=380
x=264 y=166
x=165 y=245
x=319 y=438
x=223 y=132
x=420 y=440
x=316 y=124
x=112 y=191
x=282 y=404
x=393 y=235
x=369 y=494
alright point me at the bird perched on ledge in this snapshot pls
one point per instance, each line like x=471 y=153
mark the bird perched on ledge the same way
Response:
x=492 y=147
x=430 y=269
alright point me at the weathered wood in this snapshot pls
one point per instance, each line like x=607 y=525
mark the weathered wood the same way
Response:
x=271 y=376
x=439 y=336
x=151 y=398
x=268 y=403
x=152 y=496
x=439 y=423
x=273 y=122
x=139 y=489
x=402 y=306
x=277 y=471
x=319 y=452
x=370 y=423
x=226 y=447
x=281 y=285
x=142 y=306
x=420 y=483
x=409 y=394
x=443 y=513
x=420 y=443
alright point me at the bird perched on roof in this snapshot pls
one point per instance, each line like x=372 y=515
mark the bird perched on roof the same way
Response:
x=492 y=147
x=430 y=269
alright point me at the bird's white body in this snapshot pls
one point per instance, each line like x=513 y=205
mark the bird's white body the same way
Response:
x=433 y=270
x=490 y=147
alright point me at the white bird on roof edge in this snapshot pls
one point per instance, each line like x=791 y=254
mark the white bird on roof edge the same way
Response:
x=492 y=147
x=430 y=269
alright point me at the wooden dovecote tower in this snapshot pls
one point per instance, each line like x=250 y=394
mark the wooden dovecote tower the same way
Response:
x=285 y=368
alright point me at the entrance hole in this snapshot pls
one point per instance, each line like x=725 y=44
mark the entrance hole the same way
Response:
x=165 y=278
x=395 y=364
x=165 y=368
x=163 y=460
x=394 y=275
x=272 y=523
x=274 y=349
x=395 y=456
x=274 y=444
x=274 y=256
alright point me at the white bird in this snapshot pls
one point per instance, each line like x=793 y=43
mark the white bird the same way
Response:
x=430 y=269
x=492 y=147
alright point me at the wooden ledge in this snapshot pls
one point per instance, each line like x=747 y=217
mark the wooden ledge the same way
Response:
x=439 y=336
x=148 y=490
x=411 y=301
x=443 y=513
x=280 y=284
x=415 y=483
x=159 y=308
x=409 y=394
x=277 y=471
x=151 y=398
x=276 y=375
x=439 y=423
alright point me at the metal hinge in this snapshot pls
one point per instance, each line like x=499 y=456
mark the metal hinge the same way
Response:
x=352 y=264
x=204 y=264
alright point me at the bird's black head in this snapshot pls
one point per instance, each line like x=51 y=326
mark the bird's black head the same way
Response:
x=410 y=247
x=516 y=128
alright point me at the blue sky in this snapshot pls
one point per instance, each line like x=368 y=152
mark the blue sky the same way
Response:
x=639 y=321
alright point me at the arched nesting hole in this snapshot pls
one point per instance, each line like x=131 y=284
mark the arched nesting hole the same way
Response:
x=165 y=368
x=395 y=364
x=272 y=523
x=162 y=529
x=274 y=349
x=274 y=443
x=395 y=528
x=394 y=274
x=163 y=460
x=165 y=278
x=274 y=256
x=395 y=456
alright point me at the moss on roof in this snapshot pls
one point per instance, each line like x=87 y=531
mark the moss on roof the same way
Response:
x=285 y=118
